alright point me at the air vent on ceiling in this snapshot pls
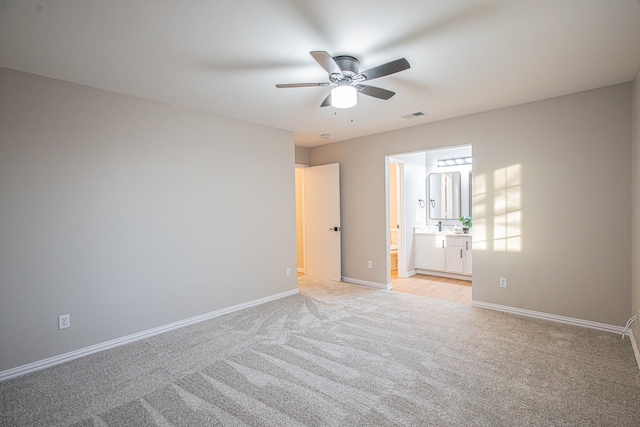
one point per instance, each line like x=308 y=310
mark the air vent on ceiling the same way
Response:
x=412 y=115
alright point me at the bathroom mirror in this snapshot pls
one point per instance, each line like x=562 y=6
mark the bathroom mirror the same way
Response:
x=444 y=195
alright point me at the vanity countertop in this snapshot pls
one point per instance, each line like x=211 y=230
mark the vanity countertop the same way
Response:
x=426 y=230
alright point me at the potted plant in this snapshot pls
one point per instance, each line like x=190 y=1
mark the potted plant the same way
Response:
x=466 y=223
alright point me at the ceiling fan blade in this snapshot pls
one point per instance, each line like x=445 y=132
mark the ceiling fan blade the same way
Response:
x=376 y=92
x=327 y=101
x=386 y=69
x=286 y=85
x=326 y=61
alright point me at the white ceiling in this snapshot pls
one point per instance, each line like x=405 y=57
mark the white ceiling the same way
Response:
x=225 y=57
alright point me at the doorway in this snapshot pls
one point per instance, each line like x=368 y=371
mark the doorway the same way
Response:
x=408 y=198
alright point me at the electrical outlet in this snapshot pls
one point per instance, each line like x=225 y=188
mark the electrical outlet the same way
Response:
x=64 y=321
x=370 y=264
x=503 y=282
x=288 y=272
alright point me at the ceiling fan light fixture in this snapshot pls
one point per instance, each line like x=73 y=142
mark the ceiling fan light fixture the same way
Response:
x=344 y=96
x=345 y=75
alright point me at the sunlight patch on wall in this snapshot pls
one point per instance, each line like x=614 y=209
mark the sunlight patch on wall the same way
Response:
x=479 y=212
x=507 y=209
x=498 y=226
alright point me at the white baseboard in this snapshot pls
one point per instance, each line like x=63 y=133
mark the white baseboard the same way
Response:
x=546 y=316
x=634 y=344
x=408 y=274
x=76 y=354
x=366 y=283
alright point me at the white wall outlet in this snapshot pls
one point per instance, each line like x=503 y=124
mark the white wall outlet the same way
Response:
x=288 y=272
x=370 y=264
x=503 y=282
x=64 y=321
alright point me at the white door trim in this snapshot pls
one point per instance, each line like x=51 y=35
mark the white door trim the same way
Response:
x=302 y=269
x=402 y=264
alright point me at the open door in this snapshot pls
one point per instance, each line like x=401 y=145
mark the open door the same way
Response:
x=322 y=221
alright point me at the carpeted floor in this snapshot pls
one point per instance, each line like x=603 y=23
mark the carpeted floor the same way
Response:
x=339 y=355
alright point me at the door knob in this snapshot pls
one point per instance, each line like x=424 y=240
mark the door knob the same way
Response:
x=334 y=229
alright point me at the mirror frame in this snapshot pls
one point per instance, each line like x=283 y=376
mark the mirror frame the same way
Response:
x=470 y=192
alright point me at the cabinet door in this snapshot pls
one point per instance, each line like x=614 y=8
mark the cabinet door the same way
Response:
x=455 y=255
x=430 y=252
x=468 y=256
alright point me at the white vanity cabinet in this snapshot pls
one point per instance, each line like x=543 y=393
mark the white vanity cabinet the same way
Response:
x=430 y=251
x=458 y=255
x=447 y=255
x=468 y=266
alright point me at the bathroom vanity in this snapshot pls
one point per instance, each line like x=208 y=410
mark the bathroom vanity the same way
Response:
x=443 y=254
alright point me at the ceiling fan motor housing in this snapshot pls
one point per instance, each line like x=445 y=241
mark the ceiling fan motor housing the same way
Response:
x=348 y=64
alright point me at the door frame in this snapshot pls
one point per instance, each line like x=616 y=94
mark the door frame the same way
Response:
x=402 y=261
x=302 y=269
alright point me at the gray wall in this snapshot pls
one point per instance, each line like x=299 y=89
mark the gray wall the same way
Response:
x=302 y=156
x=635 y=225
x=130 y=214
x=564 y=167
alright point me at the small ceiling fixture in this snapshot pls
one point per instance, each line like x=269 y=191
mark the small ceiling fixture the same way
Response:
x=454 y=162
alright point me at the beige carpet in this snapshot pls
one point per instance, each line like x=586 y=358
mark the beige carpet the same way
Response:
x=340 y=355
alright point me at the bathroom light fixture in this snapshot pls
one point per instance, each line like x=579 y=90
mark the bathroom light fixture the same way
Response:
x=456 y=161
x=344 y=95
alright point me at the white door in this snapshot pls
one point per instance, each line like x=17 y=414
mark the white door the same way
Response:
x=322 y=221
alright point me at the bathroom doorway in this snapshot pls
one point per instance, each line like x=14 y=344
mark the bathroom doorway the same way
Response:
x=408 y=198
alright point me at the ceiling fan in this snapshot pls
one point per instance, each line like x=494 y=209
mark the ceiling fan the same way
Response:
x=346 y=78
